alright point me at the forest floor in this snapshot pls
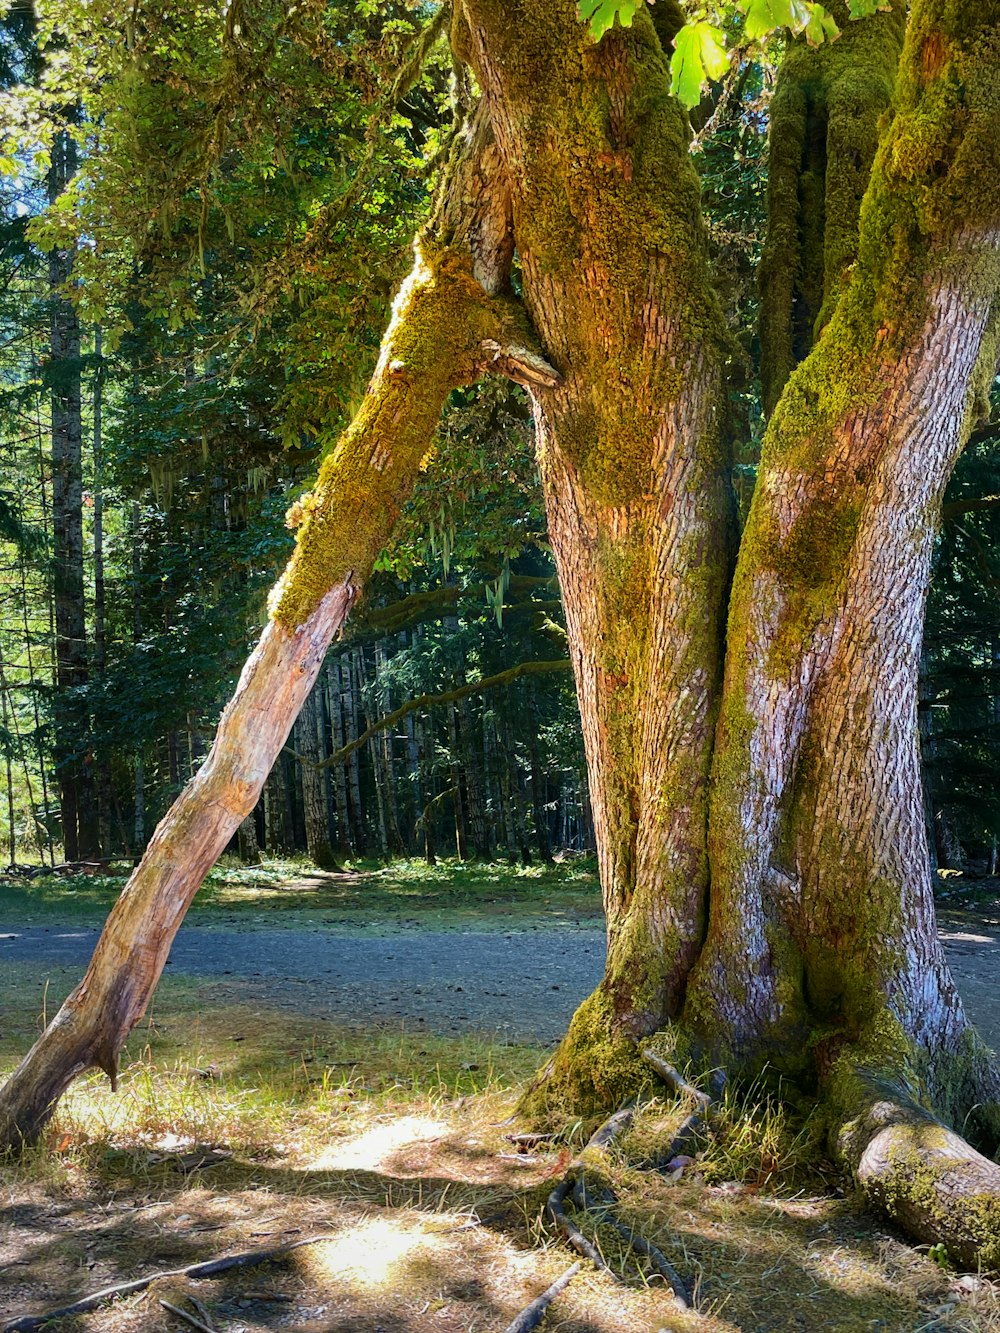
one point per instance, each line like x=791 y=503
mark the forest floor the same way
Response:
x=249 y=1116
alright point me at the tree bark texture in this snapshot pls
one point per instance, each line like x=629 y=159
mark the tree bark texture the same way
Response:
x=635 y=479
x=825 y=113
x=820 y=945
x=73 y=769
x=309 y=742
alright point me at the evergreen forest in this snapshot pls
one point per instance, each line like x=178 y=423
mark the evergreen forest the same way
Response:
x=190 y=307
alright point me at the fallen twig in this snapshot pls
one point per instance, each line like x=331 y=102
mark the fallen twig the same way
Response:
x=183 y=1314
x=529 y=1140
x=605 y=1204
x=693 y=1124
x=249 y=1259
x=531 y=1316
x=572 y=1233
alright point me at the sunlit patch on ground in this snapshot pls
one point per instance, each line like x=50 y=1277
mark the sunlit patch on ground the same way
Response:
x=375 y=1147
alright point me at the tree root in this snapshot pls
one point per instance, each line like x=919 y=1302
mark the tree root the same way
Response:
x=532 y=1315
x=603 y=1204
x=922 y=1175
x=210 y=1268
x=569 y=1231
x=698 y=1121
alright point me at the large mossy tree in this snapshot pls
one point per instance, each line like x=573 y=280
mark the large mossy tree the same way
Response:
x=748 y=701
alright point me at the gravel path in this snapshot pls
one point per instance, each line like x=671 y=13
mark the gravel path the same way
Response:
x=521 y=984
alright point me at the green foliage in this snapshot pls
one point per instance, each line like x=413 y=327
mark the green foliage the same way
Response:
x=960 y=718
x=600 y=15
x=699 y=54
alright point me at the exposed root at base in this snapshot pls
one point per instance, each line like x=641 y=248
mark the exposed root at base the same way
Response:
x=921 y=1174
x=601 y=1201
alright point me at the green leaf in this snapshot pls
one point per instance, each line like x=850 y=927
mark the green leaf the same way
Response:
x=699 y=53
x=821 y=26
x=862 y=9
x=762 y=17
x=600 y=15
x=714 y=55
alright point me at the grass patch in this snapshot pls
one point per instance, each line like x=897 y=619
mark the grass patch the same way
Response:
x=451 y=894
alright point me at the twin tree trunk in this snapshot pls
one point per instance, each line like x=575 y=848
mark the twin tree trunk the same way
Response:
x=752 y=751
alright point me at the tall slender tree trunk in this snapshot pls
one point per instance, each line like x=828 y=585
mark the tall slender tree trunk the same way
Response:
x=634 y=474
x=537 y=775
x=478 y=824
x=344 y=842
x=384 y=740
x=309 y=738
x=277 y=815
x=73 y=767
x=379 y=775
x=102 y=763
x=459 y=790
x=355 y=806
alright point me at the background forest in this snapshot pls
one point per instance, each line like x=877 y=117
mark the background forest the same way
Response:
x=178 y=219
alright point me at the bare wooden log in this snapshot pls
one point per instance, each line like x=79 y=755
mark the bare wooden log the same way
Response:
x=210 y=1268
x=92 y=1025
x=453 y=298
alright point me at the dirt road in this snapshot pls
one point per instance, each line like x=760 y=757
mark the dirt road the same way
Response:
x=522 y=984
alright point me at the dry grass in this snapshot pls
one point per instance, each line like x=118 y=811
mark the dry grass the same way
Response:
x=236 y=1129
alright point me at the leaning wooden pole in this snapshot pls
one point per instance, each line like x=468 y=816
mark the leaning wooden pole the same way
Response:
x=453 y=316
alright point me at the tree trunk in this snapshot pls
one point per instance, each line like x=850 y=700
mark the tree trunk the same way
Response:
x=821 y=955
x=375 y=749
x=249 y=847
x=825 y=114
x=635 y=479
x=73 y=771
x=478 y=823
x=309 y=742
x=384 y=739
x=538 y=811
x=277 y=812
x=444 y=314
x=344 y=843
x=459 y=796
x=355 y=806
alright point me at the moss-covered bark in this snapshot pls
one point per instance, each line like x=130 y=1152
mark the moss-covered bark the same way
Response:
x=452 y=316
x=607 y=223
x=825 y=114
x=817 y=833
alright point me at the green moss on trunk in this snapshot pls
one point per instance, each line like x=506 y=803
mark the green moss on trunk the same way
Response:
x=825 y=119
